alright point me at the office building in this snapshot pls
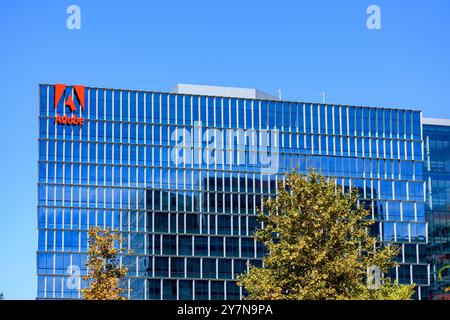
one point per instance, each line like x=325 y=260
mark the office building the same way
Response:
x=182 y=173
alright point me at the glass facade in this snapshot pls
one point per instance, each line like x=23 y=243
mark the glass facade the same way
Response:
x=437 y=176
x=181 y=176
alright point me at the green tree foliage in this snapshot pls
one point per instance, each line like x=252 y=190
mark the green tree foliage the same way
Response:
x=319 y=246
x=105 y=275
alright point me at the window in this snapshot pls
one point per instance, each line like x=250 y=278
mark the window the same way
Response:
x=177 y=267
x=201 y=246
x=240 y=266
x=193 y=267
x=169 y=244
x=410 y=253
x=161 y=266
x=232 y=247
x=161 y=222
x=404 y=274
x=247 y=247
x=233 y=291
x=224 y=224
x=185 y=245
x=224 y=271
x=185 y=290
x=201 y=290
x=154 y=289
x=217 y=290
x=192 y=223
x=209 y=268
x=216 y=246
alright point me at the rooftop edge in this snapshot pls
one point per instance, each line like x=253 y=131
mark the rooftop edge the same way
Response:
x=220 y=96
x=436 y=121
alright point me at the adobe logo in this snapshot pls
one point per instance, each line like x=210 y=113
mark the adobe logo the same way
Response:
x=70 y=104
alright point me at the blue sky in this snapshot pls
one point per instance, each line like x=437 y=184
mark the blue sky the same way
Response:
x=300 y=47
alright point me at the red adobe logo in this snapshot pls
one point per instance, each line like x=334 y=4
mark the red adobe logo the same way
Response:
x=69 y=102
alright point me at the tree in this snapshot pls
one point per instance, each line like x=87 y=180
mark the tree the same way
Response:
x=105 y=274
x=319 y=246
x=1 y=296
